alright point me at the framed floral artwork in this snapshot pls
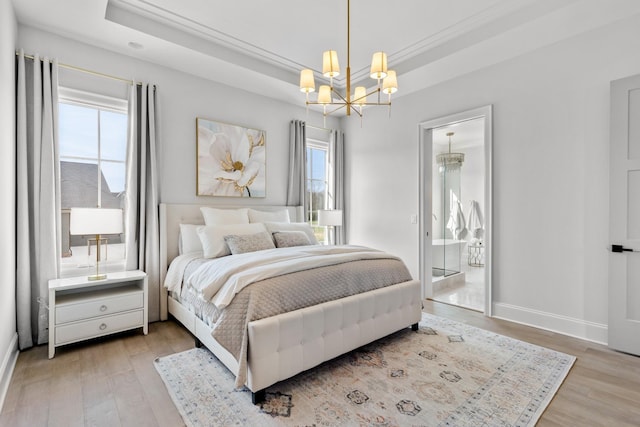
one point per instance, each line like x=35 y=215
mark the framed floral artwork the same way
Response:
x=231 y=160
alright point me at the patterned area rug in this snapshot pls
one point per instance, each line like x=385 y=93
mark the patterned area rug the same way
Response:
x=447 y=373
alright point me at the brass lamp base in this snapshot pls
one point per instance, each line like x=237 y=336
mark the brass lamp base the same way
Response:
x=97 y=276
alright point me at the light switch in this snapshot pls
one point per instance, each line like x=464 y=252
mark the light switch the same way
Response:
x=413 y=219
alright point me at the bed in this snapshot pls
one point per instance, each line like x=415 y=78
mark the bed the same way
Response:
x=280 y=346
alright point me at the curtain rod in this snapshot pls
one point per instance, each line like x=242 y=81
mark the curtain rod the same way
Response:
x=318 y=128
x=84 y=70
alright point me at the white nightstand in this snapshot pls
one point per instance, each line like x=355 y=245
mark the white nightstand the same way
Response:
x=81 y=309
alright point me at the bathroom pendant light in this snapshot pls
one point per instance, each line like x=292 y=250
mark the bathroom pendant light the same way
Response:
x=450 y=160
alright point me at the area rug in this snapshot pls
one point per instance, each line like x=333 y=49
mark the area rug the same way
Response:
x=445 y=374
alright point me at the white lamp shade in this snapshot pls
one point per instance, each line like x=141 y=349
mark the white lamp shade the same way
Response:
x=379 y=65
x=307 y=82
x=330 y=218
x=360 y=95
x=324 y=94
x=330 y=67
x=95 y=221
x=390 y=83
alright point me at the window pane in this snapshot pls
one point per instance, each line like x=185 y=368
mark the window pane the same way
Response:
x=78 y=183
x=92 y=173
x=318 y=167
x=114 y=177
x=113 y=136
x=78 y=131
x=316 y=185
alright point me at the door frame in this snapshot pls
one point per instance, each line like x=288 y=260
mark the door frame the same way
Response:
x=425 y=150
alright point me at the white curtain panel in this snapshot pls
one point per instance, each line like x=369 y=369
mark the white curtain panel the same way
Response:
x=142 y=238
x=38 y=195
x=337 y=146
x=297 y=163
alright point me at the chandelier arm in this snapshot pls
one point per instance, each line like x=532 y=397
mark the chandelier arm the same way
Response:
x=327 y=103
x=355 y=109
x=339 y=95
x=340 y=106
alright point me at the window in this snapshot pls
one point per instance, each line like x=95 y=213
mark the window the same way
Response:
x=319 y=179
x=93 y=143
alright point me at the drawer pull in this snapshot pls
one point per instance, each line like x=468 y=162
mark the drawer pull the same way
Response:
x=103 y=308
x=103 y=326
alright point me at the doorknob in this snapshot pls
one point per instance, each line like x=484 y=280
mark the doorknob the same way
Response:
x=620 y=248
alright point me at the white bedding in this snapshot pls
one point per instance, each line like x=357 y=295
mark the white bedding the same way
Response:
x=175 y=274
x=220 y=279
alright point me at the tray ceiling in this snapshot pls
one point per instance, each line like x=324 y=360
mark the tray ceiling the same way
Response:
x=261 y=45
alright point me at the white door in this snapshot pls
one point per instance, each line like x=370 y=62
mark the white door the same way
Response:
x=624 y=216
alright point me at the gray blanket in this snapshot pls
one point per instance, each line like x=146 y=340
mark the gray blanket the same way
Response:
x=298 y=290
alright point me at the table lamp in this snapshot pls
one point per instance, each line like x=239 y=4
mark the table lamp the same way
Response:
x=330 y=218
x=84 y=221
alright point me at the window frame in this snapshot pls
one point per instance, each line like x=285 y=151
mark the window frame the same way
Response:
x=100 y=103
x=326 y=146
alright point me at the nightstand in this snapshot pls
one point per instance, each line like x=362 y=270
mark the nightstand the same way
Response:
x=81 y=309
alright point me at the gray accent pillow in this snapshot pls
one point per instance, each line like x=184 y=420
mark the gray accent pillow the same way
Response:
x=273 y=227
x=240 y=244
x=286 y=239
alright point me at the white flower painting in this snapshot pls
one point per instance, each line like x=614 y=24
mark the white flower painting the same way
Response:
x=231 y=160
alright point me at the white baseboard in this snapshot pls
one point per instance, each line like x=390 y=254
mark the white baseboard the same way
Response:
x=6 y=369
x=578 y=328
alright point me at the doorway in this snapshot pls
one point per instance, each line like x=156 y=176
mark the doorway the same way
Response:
x=455 y=209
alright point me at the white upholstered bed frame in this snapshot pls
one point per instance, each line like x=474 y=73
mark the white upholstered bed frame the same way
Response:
x=285 y=345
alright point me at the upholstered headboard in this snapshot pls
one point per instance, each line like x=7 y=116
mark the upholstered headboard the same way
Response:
x=172 y=215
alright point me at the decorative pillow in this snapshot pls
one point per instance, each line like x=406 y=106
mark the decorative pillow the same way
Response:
x=273 y=227
x=286 y=239
x=189 y=241
x=264 y=216
x=212 y=237
x=240 y=244
x=213 y=216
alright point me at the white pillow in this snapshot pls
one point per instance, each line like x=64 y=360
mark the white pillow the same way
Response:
x=213 y=216
x=264 y=216
x=189 y=240
x=273 y=227
x=212 y=237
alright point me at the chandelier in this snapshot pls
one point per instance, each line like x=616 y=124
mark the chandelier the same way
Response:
x=351 y=102
x=450 y=161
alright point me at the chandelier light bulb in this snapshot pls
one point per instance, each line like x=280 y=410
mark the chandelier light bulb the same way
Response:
x=390 y=83
x=360 y=95
x=324 y=95
x=307 y=82
x=330 y=66
x=379 y=66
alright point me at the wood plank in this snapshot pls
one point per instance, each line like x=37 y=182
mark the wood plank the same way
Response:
x=118 y=384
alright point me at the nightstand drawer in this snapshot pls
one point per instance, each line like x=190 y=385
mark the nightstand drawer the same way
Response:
x=124 y=300
x=98 y=327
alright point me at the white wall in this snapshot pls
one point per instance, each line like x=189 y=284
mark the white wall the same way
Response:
x=181 y=98
x=472 y=181
x=8 y=336
x=550 y=160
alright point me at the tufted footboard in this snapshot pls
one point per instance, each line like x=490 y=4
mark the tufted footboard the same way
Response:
x=285 y=345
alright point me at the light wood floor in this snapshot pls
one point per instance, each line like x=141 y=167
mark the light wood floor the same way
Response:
x=112 y=382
